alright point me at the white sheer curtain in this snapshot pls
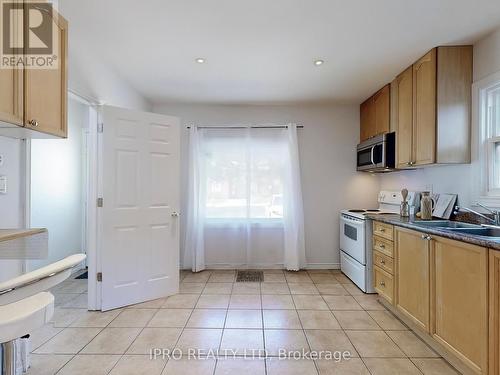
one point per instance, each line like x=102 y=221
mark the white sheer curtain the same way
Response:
x=194 y=243
x=245 y=202
x=293 y=214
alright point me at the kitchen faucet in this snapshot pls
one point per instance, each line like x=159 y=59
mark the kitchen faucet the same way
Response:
x=496 y=214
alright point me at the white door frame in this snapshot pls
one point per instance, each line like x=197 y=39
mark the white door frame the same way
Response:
x=94 y=295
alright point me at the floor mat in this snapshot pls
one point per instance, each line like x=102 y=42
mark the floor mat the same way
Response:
x=84 y=275
x=250 y=276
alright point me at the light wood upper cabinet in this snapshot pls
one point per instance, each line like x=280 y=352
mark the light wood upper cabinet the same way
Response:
x=403 y=117
x=460 y=301
x=382 y=103
x=412 y=276
x=11 y=99
x=433 y=111
x=424 y=109
x=33 y=101
x=45 y=90
x=375 y=114
x=367 y=120
x=494 y=313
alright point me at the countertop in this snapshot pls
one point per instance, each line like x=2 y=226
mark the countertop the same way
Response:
x=12 y=234
x=409 y=223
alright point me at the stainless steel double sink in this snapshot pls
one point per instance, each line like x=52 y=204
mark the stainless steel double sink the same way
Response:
x=455 y=226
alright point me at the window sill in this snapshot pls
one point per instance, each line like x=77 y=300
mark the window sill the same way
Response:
x=239 y=222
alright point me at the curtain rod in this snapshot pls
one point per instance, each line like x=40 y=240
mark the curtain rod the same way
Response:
x=245 y=127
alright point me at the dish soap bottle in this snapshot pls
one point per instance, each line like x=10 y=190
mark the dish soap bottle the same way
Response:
x=426 y=206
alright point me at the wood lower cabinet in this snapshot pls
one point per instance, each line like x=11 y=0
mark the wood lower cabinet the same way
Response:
x=460 y=300
x=494 y=313
x=413 y=276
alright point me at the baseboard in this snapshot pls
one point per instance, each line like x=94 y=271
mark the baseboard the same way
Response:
x=232 y=266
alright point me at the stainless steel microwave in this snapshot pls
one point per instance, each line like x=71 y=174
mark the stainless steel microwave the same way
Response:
x=377 y=154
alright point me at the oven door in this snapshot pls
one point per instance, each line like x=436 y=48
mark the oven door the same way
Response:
x=352 y=237
x=371 y=157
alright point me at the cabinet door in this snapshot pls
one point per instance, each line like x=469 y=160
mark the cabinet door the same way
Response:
x=367 y=120
x=404 y=118
x=494 y=312
x=412 y=276
x=11 y=100
x=424 y=109
x=45 y=90
x=11 y=89
x=382 y=105
x=460 y=300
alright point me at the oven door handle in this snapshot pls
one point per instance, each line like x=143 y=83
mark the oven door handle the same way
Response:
x=372 y=152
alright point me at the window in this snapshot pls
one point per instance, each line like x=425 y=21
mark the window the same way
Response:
x=492 y=135
x=244 y=171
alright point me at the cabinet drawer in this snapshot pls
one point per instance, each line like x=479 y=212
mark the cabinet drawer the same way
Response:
x=383 y=230
x=383 y=261
x=383 y=283
x=384 y=246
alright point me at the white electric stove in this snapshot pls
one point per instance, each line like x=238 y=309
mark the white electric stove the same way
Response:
x=356 y=236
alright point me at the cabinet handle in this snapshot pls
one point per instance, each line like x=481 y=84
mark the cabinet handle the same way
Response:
x=382 y=230
x=382 y=246
x=382 y=283
x=426 y=237
x=382 y=261
x=174 y=214
x=33 y=122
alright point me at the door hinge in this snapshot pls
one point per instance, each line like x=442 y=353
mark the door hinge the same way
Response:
x=100 y=127
x=100 y=202
x=99 y=276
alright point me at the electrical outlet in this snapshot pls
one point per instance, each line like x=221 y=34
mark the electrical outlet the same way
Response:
x=3 y=184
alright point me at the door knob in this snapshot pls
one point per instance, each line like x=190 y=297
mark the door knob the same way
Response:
x=175 y=214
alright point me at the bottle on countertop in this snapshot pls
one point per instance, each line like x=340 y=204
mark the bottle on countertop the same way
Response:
x=405 y=206
x=426 y=206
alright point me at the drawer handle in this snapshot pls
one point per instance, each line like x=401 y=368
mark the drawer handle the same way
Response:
x=382 y=246
x=382 y=261
x=382 y=283
x=382 y=230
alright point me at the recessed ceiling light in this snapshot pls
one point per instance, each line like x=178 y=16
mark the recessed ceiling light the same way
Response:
x=319 y=62
x=200 y=60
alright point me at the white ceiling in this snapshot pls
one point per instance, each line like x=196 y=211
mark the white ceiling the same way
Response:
x=262 y=51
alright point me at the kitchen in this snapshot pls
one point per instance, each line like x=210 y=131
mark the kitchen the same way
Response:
x=310 y=99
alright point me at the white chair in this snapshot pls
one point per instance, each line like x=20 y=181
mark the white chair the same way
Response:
x=25 y=305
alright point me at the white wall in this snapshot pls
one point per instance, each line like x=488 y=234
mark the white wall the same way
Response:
x=457 y=178
x=90 y=76
x=12 y=203
x=57 y=187
x=327 y=156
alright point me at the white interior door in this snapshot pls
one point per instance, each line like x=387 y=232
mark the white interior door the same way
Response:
x=139 y=244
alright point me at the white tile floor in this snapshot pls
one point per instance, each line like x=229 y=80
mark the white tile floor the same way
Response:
x=315 y=310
